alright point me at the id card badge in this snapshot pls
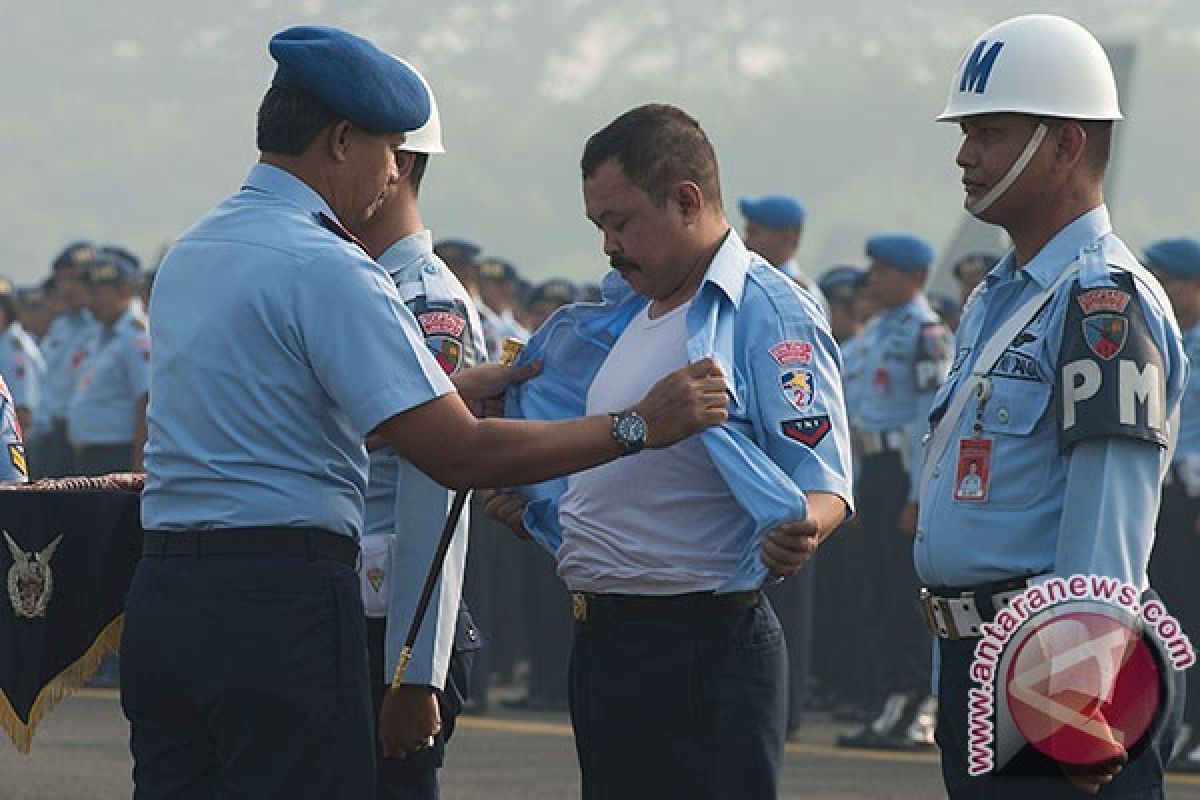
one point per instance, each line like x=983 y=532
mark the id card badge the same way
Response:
x=974 y=470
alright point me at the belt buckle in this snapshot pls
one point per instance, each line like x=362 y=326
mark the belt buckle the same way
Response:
x=579 y=606
x=934 y=608
x=927 y=607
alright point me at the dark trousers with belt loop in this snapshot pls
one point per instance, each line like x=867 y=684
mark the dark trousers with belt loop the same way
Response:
x=244 y=674
x=678 y=697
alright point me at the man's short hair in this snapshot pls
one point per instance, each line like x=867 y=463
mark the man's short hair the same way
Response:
x=1098 y=148
x=420 y=163
x=289 y=120
x=657 y=146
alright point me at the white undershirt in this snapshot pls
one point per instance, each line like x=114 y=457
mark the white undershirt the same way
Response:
x=658 y=522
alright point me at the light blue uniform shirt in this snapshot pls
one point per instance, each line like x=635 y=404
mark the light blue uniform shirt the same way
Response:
x=1189 y=411
x=853 y=375
x=278 y=345
x=12 y=462
x=1089 y=507
x=786 y=432
x=113 y=377
x=407 y=506
x=906 y=353
x=64 y=348
x=24 y=370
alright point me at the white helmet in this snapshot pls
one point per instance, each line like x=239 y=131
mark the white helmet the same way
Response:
x=1037 y=64
x=428 y=137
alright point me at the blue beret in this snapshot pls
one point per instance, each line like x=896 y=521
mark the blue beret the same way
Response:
x=112 y=264
x=458 y=251
x=76 y=254
x=554 y=291
x=901 y=250
x=773 y=211
x=841 y=284
x=1179 y=258
x=497 y=269
x=356 y=79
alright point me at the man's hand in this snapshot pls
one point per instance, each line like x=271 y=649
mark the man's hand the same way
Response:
x=1094 y=777
x=486 y=381
x=408 y=719
x=508 y=508
x=908 y=519
x=787 y=548
x=686 y=401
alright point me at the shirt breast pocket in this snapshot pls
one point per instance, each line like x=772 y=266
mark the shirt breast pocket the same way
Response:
x=1023 y=450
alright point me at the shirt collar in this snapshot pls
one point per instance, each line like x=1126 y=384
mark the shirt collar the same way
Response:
x=405 y=251
x=727 y=271
x=1045 y=267
x=729 y=266
x=281 y=183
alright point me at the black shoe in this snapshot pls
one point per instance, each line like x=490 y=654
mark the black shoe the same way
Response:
x=850 y=713
x=875 y=734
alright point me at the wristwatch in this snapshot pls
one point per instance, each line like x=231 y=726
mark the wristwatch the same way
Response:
x=629 y=429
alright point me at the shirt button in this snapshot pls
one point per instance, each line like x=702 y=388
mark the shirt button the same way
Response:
x=920 y=535
x=937 y=471
x=1002 y=415
x=429 y=269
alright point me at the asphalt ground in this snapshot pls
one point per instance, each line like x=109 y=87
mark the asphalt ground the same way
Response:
x=81 y=751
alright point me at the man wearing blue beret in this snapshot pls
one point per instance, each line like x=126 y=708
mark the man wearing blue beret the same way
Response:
x=1176 y=263
x=1050 y=437
x=63 y=349
x=774 y=224
x=906 y=354
x=279 y=345
x=106 y=415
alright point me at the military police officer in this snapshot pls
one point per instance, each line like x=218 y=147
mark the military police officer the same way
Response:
x=1176 y=263
x=106 y=415
x=405 y=509
x=279 y=345
x=1068 y=370
x=906 y=353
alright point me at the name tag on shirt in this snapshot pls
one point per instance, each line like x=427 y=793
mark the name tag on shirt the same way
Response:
x=974 y=470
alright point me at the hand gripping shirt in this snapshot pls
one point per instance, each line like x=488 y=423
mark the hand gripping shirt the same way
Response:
x=786 y=432
x=1078 y=417
x=278 y=345
x=406 y=509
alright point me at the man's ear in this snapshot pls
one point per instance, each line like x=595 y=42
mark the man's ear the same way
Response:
x=689 y=199
x=337 y=139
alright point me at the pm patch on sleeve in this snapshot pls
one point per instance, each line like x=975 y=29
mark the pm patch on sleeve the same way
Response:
x=1111 y=376
x=935 y=348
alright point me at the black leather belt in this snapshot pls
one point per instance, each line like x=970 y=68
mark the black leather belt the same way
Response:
x=312 y=543
x=694 y=607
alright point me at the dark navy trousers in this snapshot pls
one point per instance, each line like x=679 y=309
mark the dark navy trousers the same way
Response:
x=415 y=777
x=246 y=677
x=693 y=709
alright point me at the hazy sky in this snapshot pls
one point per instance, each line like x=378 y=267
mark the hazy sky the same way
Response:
x=125 y=120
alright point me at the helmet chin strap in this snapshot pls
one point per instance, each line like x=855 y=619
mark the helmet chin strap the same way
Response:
x=1014 y=172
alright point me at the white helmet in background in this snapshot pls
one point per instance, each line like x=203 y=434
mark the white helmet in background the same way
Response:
x=1040 y=65
x=1037 y=64
x=428 y=137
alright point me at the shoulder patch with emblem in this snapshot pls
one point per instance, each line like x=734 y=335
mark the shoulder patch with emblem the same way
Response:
x=792 y=352
x=444 y=326
x=1111 y=376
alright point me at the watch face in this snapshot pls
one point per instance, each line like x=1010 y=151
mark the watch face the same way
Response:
x=632 y=429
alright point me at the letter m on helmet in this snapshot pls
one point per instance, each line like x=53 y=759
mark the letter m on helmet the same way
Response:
x=978 y=67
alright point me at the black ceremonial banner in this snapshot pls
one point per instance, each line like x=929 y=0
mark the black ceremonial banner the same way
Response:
x=66 y=561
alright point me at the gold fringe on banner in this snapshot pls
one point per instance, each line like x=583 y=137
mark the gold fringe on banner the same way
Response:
x=61 y=687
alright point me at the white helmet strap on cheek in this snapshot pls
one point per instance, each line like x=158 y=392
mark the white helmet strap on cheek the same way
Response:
x=1014 y=172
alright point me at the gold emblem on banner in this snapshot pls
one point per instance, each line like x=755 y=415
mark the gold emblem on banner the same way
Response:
x=30 y=582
